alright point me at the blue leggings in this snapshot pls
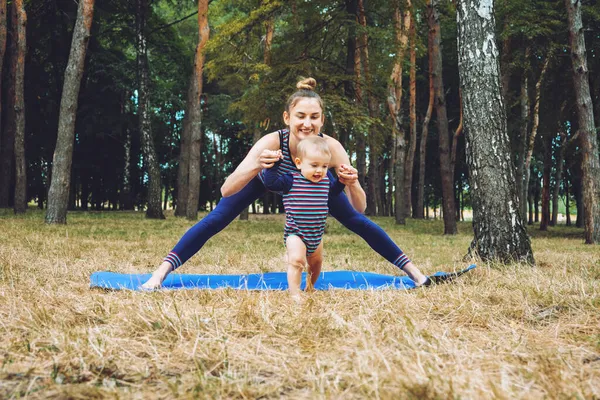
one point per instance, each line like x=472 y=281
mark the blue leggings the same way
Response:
x=230 y=207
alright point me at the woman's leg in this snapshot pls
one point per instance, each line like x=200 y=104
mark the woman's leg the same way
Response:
x=191 y=242
x=341 y=209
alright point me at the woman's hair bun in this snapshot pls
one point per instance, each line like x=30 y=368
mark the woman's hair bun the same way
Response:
x=307 y=84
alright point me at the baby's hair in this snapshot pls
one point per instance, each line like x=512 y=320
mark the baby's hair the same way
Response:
x=311 y=145
x=306 y=88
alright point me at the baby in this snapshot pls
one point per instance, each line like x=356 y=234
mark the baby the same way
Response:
x=305 y=196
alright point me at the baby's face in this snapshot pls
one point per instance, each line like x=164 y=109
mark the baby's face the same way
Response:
x=313 y=167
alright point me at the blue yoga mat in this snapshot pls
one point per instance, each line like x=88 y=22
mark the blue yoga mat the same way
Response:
x=266 y=281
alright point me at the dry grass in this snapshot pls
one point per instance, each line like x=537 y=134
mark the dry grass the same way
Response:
x=499 y=332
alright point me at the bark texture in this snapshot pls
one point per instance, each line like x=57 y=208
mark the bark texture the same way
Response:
x=20 y=22
x=447 y=179
x=412 y=115
x=154 y=209
x=7 y=143
x=585 y=114
x=498 y=228
x=418 y=211
x=394 y=100
x=58 y=195
x=196 y=116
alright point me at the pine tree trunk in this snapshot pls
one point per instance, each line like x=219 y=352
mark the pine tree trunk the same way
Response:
x=585 y=113
x=567 y=201
x=523 y=173
x=183 y=169
x=442 y=124
x=394 y=100
x=3 y=29
x=418 y=209
x=546 y=186
x=196 y=116
x=58 y=195
x=412 y=145
x=7 y=143
x=154 y=209
x=497 y=224
x=361 y=146
x=20 y=21
x=528 y=151
x=372 y=184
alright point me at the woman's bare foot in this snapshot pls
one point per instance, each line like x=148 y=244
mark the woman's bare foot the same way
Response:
x=415 y=274
x=158 y=276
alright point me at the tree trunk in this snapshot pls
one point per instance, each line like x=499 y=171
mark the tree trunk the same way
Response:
x=372 y=185
x=20 y=22
x=7 y=143
x=412 y=145
x=546 y=186
x=588 y=136
x=497 y=224
x=183 y=169
x=196 y=116
x=528 y=151
x=58 y=195
x=523 y=173
x=3 y=28
x=418 y=209
x=536 y=199
x=567 y=201
x=394 y=100
x=442 y=124
x=361 y=150
x=154 y=209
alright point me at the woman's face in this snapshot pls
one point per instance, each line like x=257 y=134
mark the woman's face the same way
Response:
x=305 y=118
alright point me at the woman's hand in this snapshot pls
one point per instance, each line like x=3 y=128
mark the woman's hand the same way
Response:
x=347 y=174
x=268 y=158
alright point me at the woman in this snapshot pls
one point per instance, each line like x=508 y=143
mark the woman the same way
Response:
x=304 y=117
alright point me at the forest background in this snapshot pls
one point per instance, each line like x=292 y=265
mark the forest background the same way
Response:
x=256 y=52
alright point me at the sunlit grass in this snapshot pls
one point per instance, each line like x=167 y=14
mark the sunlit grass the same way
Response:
x=499 y=332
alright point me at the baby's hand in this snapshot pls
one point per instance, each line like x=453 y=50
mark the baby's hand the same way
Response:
x=268 y=158
x=347 y=174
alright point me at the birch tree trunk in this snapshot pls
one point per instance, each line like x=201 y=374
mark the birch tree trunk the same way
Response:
x=58 y=195
x=448 y=204
x=154 y=209
x=196 y=116
x=361 y=150
x=20 y=22
x=497 y=224
x=587 y=132
x=418 y=211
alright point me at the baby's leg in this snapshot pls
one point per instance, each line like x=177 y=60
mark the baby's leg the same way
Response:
x=315 y=262
x=296 y=260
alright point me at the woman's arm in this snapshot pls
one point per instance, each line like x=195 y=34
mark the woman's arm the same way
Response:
x=262 y=155
x=347 y=175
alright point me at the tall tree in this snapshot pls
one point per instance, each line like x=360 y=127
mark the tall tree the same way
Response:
x=412 y=114
x=587 y=132
x=58 y=195
x=497 y=224
x=7 y=140
x=19 y=20
x=394 y=100
x=196 y=117
x=442 y=123
x=3 y=26
x=418 y=210
x=154 y=209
